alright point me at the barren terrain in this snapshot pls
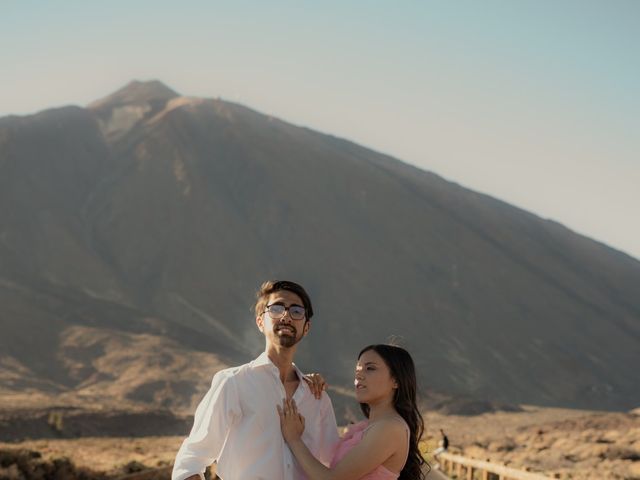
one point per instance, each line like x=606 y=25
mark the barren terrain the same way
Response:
x=109 y=455
x=575 y=444
x=572 y=444
x=136 y=231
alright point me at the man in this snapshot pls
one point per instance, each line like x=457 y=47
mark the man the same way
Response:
x=236 y=423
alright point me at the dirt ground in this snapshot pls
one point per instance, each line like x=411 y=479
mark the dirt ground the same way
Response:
x=572 y=444
x=109 y=455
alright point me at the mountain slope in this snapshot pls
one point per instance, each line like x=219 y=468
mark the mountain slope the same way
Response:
x=176 y=208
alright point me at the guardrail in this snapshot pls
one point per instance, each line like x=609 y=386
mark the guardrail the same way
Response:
x=463 y=468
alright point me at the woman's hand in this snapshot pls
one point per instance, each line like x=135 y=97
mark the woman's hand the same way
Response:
x=291 y=422
x=316 y=383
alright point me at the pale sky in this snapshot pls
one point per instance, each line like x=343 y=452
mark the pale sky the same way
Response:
x=533 y=102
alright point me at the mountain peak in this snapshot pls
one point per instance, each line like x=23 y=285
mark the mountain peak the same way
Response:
x=136 y=93
x=119 y=112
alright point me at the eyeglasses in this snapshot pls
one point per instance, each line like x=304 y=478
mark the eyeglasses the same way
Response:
x=278 y=311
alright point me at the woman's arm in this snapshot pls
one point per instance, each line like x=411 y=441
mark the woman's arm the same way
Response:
x=381 y=441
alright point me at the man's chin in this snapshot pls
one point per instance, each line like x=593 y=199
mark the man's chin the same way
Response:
x=287 y=341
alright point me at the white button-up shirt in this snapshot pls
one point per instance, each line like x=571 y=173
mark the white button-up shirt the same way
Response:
x=237 y=425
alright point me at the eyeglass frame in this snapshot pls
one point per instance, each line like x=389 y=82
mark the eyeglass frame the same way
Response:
x=286 y=309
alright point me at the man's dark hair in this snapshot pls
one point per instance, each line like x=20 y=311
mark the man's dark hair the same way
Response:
x=273 y=286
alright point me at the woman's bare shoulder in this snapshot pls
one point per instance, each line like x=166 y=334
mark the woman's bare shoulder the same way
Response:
x=390 y=427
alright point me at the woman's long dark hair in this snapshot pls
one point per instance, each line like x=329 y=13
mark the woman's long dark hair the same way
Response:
x=403 y=371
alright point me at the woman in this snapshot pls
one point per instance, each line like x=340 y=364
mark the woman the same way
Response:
x=384 y=447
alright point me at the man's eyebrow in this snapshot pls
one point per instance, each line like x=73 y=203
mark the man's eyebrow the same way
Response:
x=282 y=302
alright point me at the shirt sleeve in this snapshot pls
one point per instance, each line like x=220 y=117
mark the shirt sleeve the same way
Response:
x=328 y=431
x=216 y=413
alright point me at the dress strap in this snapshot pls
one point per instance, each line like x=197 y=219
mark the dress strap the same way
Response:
x=406 y=427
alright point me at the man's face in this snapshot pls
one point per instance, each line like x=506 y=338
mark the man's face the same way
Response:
x=284 y=331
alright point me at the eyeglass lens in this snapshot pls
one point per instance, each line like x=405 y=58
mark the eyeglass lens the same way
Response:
x=277 y=311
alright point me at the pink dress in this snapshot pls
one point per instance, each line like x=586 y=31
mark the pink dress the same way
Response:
x=351 y=438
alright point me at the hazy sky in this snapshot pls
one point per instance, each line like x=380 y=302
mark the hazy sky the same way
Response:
x=534 y=102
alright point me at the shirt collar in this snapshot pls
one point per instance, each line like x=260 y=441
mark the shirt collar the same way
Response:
x=263 y=360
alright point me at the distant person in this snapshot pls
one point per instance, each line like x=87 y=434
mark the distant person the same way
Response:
x=235 y=424
x=443 y=444
x=385 y=446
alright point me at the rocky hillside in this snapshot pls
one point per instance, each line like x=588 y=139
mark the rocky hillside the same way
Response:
x=134 y=232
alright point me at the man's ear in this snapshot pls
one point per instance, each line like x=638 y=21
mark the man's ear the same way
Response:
x=260 y=323
x=307 y=326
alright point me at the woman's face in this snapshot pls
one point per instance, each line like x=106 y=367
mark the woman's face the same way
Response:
x=373 y=381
